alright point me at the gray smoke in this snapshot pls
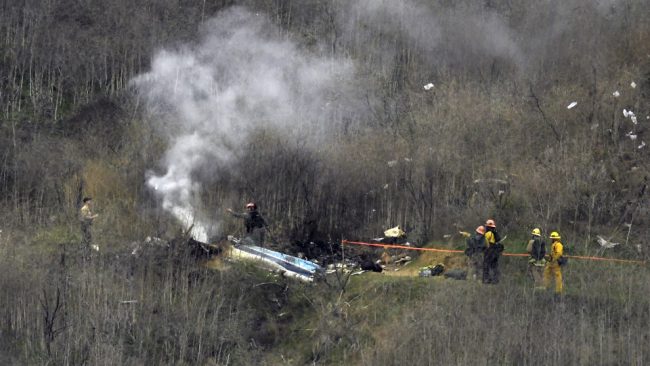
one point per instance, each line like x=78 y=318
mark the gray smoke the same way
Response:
x=445 y=34
x=210 y=97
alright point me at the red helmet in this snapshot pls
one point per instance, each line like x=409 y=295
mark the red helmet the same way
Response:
x=480 y=230
x=490 y=223
x=251 y=205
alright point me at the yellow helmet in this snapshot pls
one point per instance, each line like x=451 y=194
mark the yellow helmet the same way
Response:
x=537 y=232
x=555 y=235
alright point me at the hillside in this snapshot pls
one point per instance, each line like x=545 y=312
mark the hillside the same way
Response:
x=338 y=119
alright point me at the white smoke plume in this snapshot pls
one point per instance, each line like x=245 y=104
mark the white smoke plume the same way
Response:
x=209 y=97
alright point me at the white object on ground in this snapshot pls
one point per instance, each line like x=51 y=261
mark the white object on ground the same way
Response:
x=391 y=163
x=573 y=104
x=95 y=247
x=633 y=85
x=616 y=94
x=605 y=243
x=428 y=86
x=633 y=118
x=642 y=145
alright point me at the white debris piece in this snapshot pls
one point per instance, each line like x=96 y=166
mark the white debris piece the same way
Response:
x=630 y=115
x=386 y=186
x=642 y=145
x=392 y=163
x=95 y=247
x=428 y=86
x=605 y=243
x=408 y=160
x=633 y=85
x=573 y=104
x=594 y=126
x=616 y=94
x=631 y=135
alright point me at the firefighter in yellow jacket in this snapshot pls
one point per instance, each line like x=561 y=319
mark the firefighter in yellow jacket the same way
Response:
x=553 y=265
x=492 y=253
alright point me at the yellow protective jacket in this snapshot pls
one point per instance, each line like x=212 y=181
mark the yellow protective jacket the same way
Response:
x=557 y=249
x=489 y=238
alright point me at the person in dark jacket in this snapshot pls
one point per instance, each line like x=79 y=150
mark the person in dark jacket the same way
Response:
x=536 y=263
x=253 y=223
x=474 y=253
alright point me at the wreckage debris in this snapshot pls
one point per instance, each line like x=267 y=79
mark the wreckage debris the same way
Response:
x=428 y=86
x=431 y=271
x=289 y=266
x=605 y=243
x=616 y=94
x=573 y=104
x=633 y=85
x=456 y=274
x=630 y=115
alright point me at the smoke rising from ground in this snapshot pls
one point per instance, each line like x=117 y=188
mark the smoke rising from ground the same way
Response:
x=210 y=97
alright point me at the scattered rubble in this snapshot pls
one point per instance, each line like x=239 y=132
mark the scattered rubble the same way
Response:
x=616 y=94
x=428 y=86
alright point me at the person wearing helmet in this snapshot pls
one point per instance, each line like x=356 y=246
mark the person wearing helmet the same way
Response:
x=474 y=253
x=492 y=253
x=253 y=223
x=553 y=265
x=537 y=250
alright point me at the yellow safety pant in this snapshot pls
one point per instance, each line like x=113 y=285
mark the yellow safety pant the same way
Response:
x=553 y=269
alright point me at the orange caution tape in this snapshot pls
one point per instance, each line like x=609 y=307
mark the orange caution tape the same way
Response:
x=606 y=259
x=393 y=246
x=401 y=247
